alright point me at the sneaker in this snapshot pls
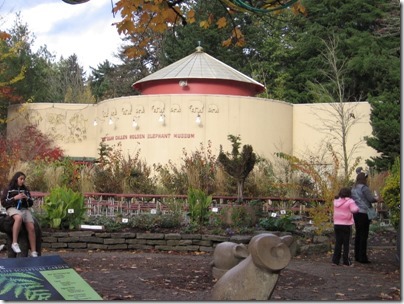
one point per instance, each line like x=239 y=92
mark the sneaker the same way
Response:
x=34 y=254
x=16 y=248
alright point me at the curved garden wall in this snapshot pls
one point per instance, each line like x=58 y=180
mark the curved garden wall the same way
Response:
x=94 y=240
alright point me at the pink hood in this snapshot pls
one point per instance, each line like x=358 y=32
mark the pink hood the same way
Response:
x=343 y=209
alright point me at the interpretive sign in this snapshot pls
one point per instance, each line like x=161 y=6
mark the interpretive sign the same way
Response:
x=44 y=278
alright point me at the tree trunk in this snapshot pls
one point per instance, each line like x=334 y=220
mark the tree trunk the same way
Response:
x=240 y=184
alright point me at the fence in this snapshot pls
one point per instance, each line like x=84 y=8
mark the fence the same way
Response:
x=112 y=204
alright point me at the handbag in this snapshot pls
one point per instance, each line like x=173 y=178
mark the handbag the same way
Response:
x=372 y=214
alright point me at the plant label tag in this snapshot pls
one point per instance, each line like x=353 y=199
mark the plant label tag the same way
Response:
x=283 y=211
x=70 y=210
x=215 y=209
x=153 y=211
x=124 y=220
x=273 y=214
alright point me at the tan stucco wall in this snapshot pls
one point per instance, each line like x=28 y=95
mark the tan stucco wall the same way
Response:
x=315 y=125
x=268 y=125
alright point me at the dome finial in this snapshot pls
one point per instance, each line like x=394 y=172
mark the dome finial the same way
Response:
x=199 y=48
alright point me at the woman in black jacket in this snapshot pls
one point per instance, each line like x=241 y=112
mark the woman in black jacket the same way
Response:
x=17 y=199
x=364 y=199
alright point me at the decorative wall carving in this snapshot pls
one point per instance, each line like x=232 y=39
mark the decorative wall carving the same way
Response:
x=105 y=112
x=114 y=112
x=139 y=110
x=196 y=108
x=158 y=107
x=212 y=108
x=126 y=109
x=175 y=108
x=65 y=127
x=34 y=117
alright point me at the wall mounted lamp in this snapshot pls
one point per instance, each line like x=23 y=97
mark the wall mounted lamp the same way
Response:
x=96 y=121
x=183 y=83
x=134 y=123
x=198 y=119
x=110 y=121
x=162 y=118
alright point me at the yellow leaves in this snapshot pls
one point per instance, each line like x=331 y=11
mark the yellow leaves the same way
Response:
x=4 y=35
x=237 y=38
x=143 y=18
x=208 y=22
x=222 y=22
x=298 y=8
x=204 y=24
x=191 y=16
x=125 y=27
x=227 y=42
x=134 y=52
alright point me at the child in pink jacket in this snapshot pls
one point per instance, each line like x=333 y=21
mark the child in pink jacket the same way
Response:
x=344 y=207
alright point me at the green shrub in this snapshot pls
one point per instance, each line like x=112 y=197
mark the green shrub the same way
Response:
x=199 y=203
x=197 y=170
x=64 y=208
x=391 y=193
x=145 y=221
x=119 y=173
x=281 y=223
x=192 y=227
x=170 y=220
x=175 y=205
x=110 y=224
x=236 y=218
x=241 y=217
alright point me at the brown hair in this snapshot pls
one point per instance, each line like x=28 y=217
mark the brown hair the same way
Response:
x=361 y=178
x=344 y=192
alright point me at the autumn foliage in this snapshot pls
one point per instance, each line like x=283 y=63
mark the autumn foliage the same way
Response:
x=31 y=145
x=142 y=18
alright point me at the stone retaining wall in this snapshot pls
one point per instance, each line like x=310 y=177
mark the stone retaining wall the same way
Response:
x=93 y=240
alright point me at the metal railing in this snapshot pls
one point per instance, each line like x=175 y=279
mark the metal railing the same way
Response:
x=112 y=204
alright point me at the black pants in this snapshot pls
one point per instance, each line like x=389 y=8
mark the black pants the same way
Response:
x=362 y=224
x=342 y=237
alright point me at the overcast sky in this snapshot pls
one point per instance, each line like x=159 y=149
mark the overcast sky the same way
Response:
x=82 y=29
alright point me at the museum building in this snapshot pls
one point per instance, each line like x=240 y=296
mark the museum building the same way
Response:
x=195 y=101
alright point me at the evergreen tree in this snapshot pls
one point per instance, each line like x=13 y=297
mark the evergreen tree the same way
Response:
x=386 y=108
x=386 y=135
x=40 y=83
x=238 y=164
x=73 y=82
x=101 y=81
x=115 y=80
x=182 y=41
x=371 y=67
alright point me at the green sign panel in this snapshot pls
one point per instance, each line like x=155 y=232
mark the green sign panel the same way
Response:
x=45 y=278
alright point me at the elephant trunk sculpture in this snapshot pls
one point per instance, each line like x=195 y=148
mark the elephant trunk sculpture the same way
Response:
x=255 y=277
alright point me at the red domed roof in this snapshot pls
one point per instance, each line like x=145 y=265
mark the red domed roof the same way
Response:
x=199 y=73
